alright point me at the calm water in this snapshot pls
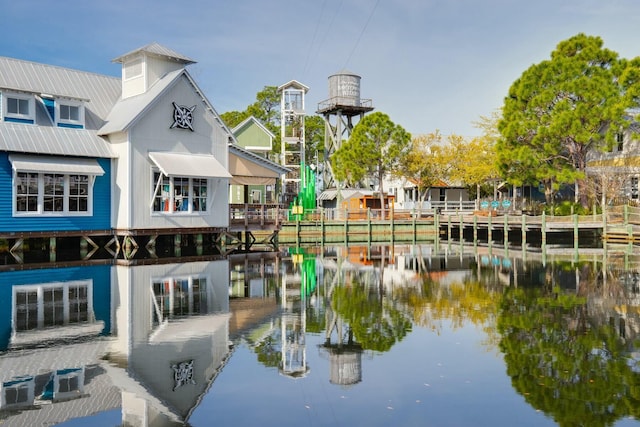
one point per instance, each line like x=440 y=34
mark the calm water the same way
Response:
x=452 y=335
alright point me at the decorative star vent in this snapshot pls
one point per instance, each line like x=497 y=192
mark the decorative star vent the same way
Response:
x=182 y=117
x=182 y=374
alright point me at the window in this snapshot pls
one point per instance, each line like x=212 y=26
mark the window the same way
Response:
x=78 y=193
x=26 y=192
x=178 y=296
x=634 y=188
x=70 y=114
x=17 y=392
x=620 y=141
x=52 y=304
x=18 y=108
x=179 y=194
x=51 y=193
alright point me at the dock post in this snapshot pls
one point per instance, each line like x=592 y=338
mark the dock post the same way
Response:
x=461 y=227
x=575 y=231
x=475 y=229
x=322 y=226
x=177 y=245
x=346 y=226
x=524 y=230
x=392 y=225
x=52 y=249
x=199 y=244
x=369 y=226
x=505 y=228
x=544 y=230
x=489 y=228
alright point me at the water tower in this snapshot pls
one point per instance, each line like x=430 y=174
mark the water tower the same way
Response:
x=292 y=116
x=344 y=104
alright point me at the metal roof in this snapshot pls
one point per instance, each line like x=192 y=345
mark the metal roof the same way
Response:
x=101 y=91
x=158 y=50
x=127 y=111
x=26 y=138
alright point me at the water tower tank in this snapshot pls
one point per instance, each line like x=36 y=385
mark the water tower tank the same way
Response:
x=344 y=88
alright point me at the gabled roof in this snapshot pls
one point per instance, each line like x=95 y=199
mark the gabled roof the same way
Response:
x=156 y=49
x=295 y=84
x=100 y=91
x=252 y=119
x=128 y=111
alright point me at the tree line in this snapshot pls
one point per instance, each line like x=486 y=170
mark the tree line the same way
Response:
x=580 y=100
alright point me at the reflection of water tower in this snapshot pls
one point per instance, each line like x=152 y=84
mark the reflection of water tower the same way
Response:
x=338 y=111
x=292 y=143
x=345 y=357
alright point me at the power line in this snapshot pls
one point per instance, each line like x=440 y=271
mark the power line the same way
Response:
x=313 y=40
x=360 y=35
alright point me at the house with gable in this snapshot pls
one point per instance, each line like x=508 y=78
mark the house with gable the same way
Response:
x=256 y=179
x=171 y=147
x=84 y=154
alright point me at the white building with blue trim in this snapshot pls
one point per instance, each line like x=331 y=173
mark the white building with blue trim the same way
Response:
x=84 y=153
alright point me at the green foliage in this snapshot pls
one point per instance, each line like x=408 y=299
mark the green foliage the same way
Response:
x=562 y=361
x=567 y=207
x=562 y=108
x=373 y=151
x=376 y=324
x=266 y=109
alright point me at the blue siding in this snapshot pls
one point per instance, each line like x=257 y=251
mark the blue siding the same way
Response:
x=101 y=275
x=68 y=125
x=16 y=120
x=101 y=219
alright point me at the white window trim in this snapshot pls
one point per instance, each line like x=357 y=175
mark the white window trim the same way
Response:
x=155 y=187
x=190 y=292
x=40 y=211
x=40 y=289
x=27 y=382
x=12 y=95
x=67 y=102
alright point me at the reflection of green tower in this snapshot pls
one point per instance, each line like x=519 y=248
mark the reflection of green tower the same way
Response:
x=307 y=270
x=306 y=199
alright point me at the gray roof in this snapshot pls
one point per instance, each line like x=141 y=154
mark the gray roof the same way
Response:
x=100 y=91
x=157 y=50
x=127 y=111
x=25 y=138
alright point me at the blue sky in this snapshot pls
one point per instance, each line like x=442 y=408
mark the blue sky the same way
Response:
x=429 y=64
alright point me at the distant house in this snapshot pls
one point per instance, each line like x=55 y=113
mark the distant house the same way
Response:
x=440 y=195
x=82 y=152
x=256 y=179
x=617 y=171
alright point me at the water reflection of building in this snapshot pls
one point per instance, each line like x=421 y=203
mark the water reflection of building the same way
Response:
x=148 y=340
x=52 y=336
x=172 y=338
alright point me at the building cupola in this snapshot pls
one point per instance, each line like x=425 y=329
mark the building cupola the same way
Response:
x=143 y=67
